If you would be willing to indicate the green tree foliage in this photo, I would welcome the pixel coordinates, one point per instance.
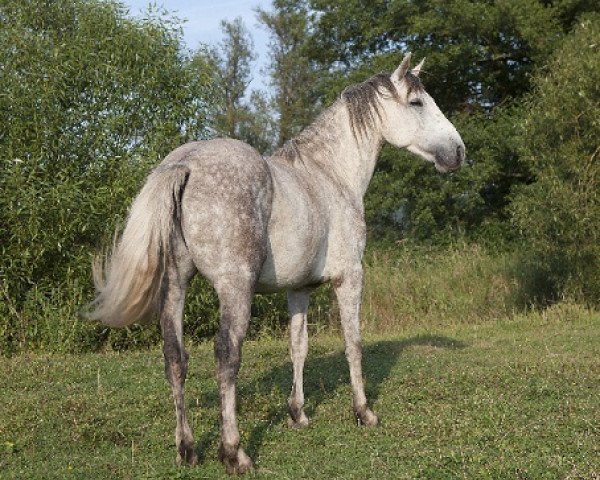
(246, 117)
(90, 100)
(480, 58)
(259, 126)
(478, 52)
(292, 74)
(559, 214)
(235, 57)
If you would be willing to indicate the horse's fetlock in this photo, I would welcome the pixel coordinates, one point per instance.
(228, 450)
(301, 421)
(186, 455)
(234, 458)
(364, 416)
(295, 409)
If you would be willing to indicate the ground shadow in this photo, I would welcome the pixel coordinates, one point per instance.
(325, 373)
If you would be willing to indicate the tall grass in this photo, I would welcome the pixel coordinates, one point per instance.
(404, 286)
(463, 284)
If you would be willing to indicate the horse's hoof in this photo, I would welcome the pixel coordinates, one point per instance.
(235, 460)
(366, 417)
(187, 456)
(301, 422)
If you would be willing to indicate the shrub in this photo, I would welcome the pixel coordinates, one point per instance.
(559, 214)
(90, 101)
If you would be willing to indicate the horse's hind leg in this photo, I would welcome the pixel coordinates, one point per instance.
(176, 358)
(235, 296)
(348, 292)
(297, 307)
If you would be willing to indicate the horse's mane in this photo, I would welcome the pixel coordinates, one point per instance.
(363, 105)
(312, 141)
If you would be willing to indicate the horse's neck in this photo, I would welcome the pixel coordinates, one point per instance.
(356, 154)
(348, 157)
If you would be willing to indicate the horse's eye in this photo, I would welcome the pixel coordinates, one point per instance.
(416, 102)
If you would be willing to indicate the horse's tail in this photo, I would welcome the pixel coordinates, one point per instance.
(129, 280)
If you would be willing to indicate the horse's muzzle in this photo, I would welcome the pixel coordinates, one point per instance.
(459, 159)
(449, 161)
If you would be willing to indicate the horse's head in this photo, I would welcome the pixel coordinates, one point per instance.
(412, 120)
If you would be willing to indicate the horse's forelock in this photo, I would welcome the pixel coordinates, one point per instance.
(413, 82)
(362, 100)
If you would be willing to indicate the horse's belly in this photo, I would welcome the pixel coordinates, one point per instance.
(297, 233)
(290, 269)
(296, 247)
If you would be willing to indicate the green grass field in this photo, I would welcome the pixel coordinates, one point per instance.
(510, 399)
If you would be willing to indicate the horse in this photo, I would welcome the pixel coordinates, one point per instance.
(251, 224)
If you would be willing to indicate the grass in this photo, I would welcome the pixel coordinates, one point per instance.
(463, 284)
(405, 286)
(504, 399)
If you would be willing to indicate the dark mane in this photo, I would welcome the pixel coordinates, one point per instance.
(362, 99)
(362, 102)
(314, 139)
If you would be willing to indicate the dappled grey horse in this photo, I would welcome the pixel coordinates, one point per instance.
(249, 224)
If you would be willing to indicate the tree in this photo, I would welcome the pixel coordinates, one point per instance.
(479, 53)
(90, 101)
(292, 75)
(246, 117)
(258, 126)
(559, 214)
(235, 57)
(480, 58)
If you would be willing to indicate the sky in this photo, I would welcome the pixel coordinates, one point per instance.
(203, 24)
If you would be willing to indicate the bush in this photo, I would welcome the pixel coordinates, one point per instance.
(90, 101)
(559, 214)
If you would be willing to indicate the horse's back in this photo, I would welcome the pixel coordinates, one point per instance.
(225, 206)
(220, 150)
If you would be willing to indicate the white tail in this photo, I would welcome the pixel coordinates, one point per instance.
(129, 280)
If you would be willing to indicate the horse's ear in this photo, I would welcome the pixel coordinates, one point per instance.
(415, 71)
(402, 70)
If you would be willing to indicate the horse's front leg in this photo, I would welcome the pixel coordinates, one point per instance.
(235, 299)
(297, 308)
(349, 291)
(176, 364)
